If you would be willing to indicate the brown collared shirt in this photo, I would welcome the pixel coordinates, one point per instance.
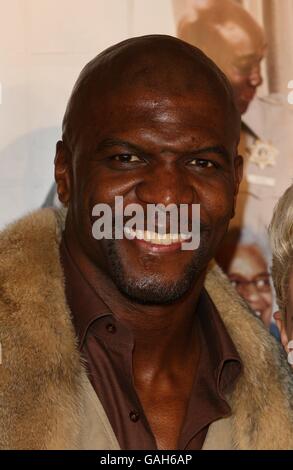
(106, 346)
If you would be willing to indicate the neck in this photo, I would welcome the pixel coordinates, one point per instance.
(163, 334)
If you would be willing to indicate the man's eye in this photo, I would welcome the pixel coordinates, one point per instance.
(125, 158)
(201, 163)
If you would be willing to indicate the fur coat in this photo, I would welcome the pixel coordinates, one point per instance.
(46, 400)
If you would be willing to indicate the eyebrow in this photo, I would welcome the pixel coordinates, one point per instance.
(218, 149)
(110, 142)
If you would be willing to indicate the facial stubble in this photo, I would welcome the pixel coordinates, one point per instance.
(151, 288)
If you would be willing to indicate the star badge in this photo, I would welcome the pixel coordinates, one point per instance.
(262, 154)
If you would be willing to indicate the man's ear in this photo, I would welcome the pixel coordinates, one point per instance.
(63, 172)
(238, 172)
(280, 322)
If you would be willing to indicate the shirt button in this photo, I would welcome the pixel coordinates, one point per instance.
(111, 328)
(134, 416)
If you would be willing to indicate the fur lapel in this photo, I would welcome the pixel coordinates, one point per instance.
(43, 396)
(41, 372)
(261, 403)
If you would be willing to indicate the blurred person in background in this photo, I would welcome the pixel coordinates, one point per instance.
(281, 238)
(232, 39)
(228, 34)
(244, 258)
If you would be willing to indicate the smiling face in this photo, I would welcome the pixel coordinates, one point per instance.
(248, 273)
(158, 136)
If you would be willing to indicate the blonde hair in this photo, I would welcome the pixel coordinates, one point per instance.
(281, 239)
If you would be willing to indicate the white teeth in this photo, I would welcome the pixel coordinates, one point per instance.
(154, 237)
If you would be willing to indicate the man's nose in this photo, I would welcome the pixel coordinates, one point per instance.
(166, 184)
(255, 78)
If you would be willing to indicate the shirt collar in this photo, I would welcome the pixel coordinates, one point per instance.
(219, 368)
(223, 355)
(84, 303)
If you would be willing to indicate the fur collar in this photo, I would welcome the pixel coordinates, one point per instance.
(41, 375)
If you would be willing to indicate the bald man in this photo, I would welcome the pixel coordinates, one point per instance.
(232, 39)
(120, 337)
(236, 43)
